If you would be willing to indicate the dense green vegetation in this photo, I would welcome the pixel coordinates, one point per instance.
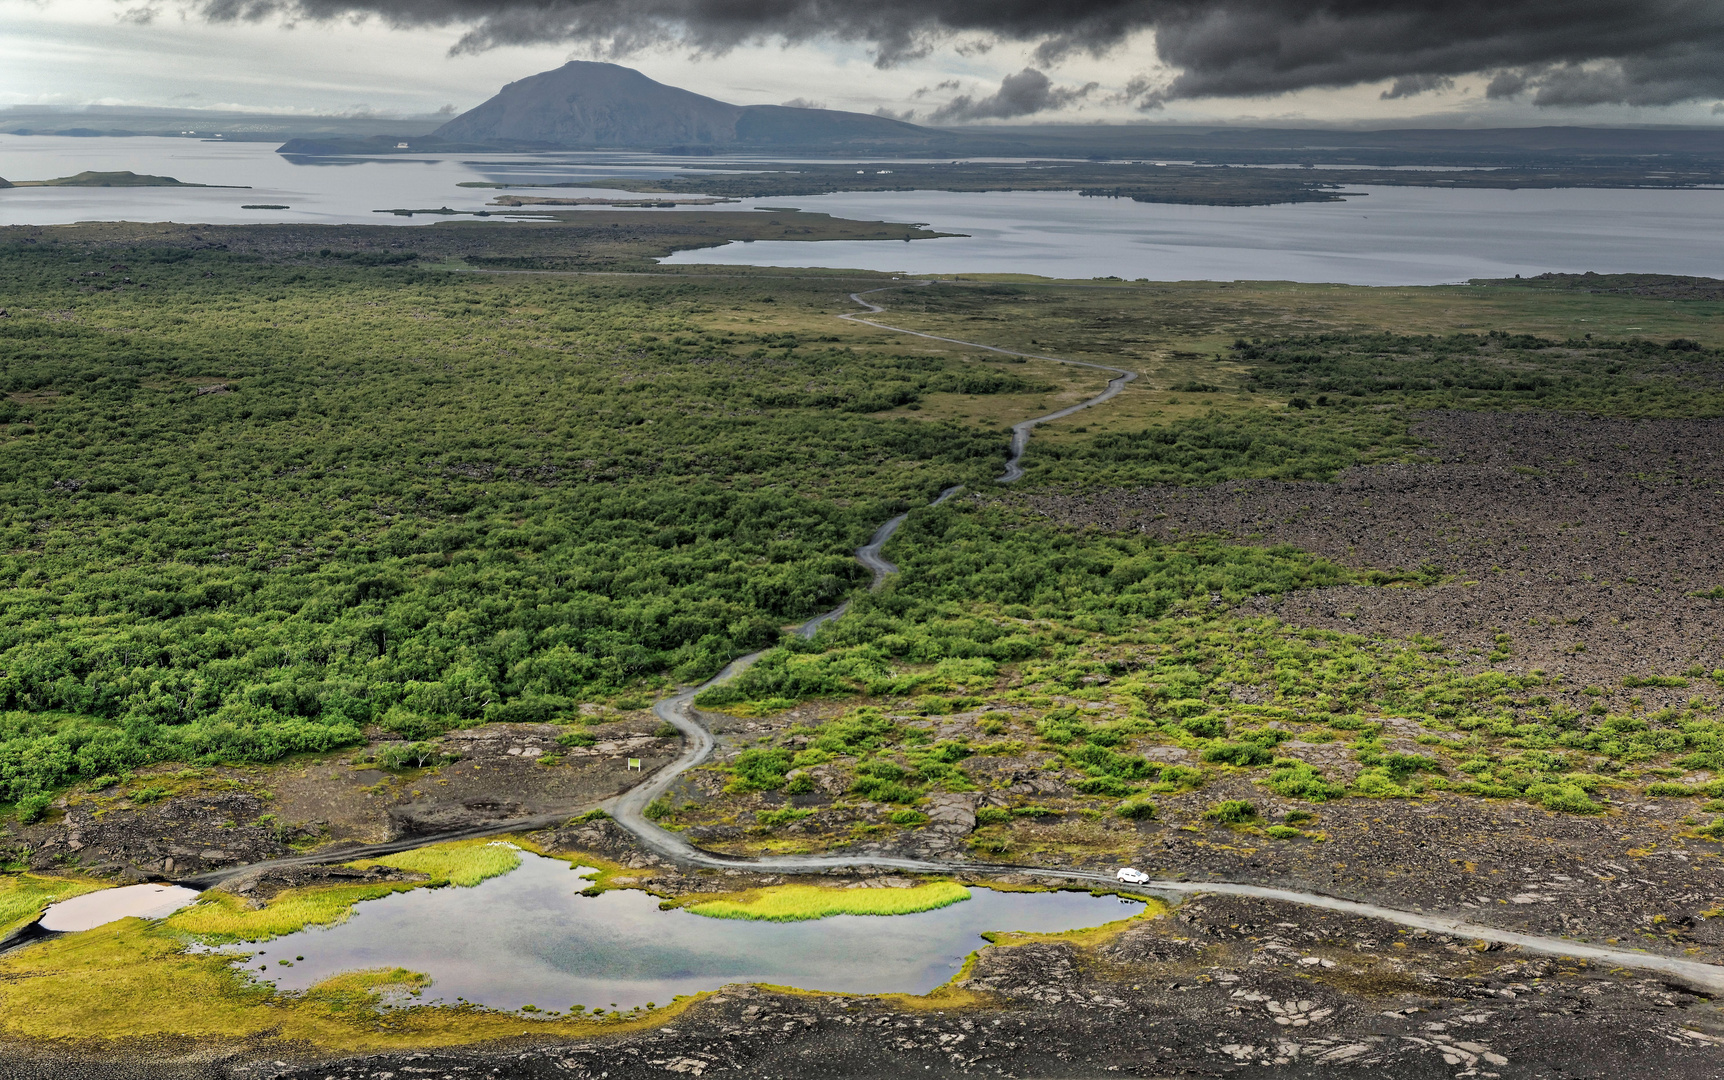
(1218, 447)
(1351, 396)
(952, 555)
(1124, 625)
(1230, 691)
(1494, 370)
(254, 506)
(250, 509)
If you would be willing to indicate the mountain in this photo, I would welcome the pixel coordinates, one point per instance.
(588, 104)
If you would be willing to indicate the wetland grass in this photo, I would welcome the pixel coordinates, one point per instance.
(89, 986)
(796, 903)
(23, 897)
(219, 918)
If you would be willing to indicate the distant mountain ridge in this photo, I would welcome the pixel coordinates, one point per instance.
(589, 104)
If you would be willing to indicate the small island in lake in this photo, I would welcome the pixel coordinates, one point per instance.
(107, 179)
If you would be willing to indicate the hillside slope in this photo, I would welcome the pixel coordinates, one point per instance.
(584, 103)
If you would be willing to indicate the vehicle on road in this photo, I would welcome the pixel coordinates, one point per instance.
(1130, 876)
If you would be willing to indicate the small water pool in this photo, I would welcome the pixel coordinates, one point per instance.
(530, 938)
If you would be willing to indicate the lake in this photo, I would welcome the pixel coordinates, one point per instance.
(529, 938)
(1386, 236)
(1383, 236)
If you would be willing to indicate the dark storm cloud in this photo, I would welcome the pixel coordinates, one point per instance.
(1561, 52)
(1024, 94)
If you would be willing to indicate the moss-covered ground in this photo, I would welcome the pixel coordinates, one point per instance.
(23, 897)
(797, 903)
(219, 917)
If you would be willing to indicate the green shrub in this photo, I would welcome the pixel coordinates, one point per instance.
(1295, 779)
(908, 817)
(1378, 784)
(1101, 761)
(1296, 817)
(577, 738)
(1567, 798)
(1401, 766)
(144, 796)
(881, 769)
(1206, 727)
(992, 815)
(1634, 681)
(1283, 832)
(1231, 812)
(1033, 812)
(1245, 754)
(800, 784)
(660, 808)
(1138, 809)
(32, 808)
(1104, 785)
(1178, 778)
(759, 769)
(1672, 791)
(886, 791)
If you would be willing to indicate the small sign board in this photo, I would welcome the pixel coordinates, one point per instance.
(634, 763)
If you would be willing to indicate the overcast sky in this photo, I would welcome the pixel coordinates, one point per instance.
(1261, 61)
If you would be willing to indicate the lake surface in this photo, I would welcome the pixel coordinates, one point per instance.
(529, 938)
(327, 191)
(1383, 236)
(1386, 236)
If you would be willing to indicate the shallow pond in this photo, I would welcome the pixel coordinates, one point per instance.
(530, 938)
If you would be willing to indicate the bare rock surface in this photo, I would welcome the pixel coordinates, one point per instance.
(1583, 538)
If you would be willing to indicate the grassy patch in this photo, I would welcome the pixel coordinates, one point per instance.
(1087, 937)
(796, 903)
(464, 863)
(89, 986)
(218, 918)
(25, 896)
(221, 918)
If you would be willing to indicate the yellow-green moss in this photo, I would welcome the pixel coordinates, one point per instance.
(23, 897)
(1087, 937)
(795, 903)
(220, 918)
(464, 863)
(89, 986)
(363, 990)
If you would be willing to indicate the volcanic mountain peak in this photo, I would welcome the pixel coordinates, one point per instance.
(586, 103)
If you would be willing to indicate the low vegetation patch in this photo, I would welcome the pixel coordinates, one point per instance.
(88, 986)
(219, 918)
(23, 897)
(464, 862)
(796, 903)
